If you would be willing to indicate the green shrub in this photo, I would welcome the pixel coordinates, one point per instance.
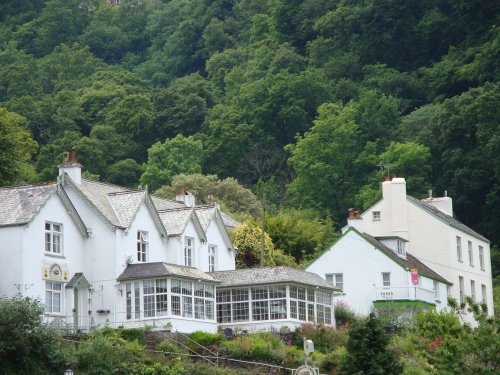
(343, 313)
(325, 338)
(102, 354)
(132, 334)
(205, 338)
(333, 360)
(168, 346)
(265, 347)
(27, 345)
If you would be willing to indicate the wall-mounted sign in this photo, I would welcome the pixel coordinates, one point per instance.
(414, 276)
(54, 272)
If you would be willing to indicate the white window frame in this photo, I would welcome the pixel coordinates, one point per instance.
(133, 300)
(459, 249)
(336, 279)
(189, 251)
(386, 283)
(461, 287)
(435, 286)
(473, 290)
(481, 258)
(400, 245)
(50, 291)
(376, 216)
(471, 253)
(212, 257)
(142, 246)
(483, 294)
(53, 238)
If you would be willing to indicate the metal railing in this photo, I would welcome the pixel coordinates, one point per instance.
(405, 293)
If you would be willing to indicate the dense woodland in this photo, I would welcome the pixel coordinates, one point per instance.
(305, 102)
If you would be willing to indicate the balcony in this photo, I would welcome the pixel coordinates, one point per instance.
(405, 293)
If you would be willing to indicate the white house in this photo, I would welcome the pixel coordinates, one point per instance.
(379, 272)
(100, 254)
(436, 238)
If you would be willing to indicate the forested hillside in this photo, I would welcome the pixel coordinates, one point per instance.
(301, 100)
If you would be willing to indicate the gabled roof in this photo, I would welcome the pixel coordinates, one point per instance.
(269, 275)
(126, 204)
(228, 221)
(78, 279)
(175, 221)
(20, 204)
(165, 204)
(408, 263)
(447, 219)
(162, 269)
(116, 204)
(207, 214)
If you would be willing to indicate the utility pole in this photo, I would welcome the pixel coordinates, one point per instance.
(262, 239)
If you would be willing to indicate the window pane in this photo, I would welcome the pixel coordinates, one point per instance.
(199, 308)
(176, 305)
(241, 312)
(137, 289)
(209, 309)
(223, 312)
(187, 307)
(260, 310)
(175, 286)
(293, 309)
(277, 291)
(278, 309)
(187, 288)
(149, 306)
(240, 295)
(199, 290)
(302, 311)
(310, 312)
(209, 291)
(259, 293)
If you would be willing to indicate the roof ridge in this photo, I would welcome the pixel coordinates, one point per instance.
(131, 191)
(32, 185)
(174, 209)
(106, 184)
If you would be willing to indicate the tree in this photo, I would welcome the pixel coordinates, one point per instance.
(323, 160)
(27, 345)
(174, 156)
(16, 149)
(233, 197)
(298, 235)
(125, 172)
(367, 351)
(247, 238)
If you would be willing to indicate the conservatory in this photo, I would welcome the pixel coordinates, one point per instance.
(272, 299)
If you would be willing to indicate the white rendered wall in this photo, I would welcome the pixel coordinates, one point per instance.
(74, 251)
(224, 258)
(11, 268)
(362, 266)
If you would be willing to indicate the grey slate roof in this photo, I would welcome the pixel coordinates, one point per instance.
(126, 205)
(20, 204)
(175, 220)
(161, 269)
(269, 275)
(97, 193)
(165, 204)
(205, 214)
(408, 263)
(229, 222)
(450, 220)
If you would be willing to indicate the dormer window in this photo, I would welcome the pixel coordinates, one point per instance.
(188, 251)
(401, 248)
(375, 215)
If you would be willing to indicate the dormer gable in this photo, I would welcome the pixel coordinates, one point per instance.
(396, 244)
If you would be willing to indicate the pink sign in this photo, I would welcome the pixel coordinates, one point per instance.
(414, 276)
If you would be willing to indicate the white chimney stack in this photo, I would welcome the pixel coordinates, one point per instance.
(71, 167)
(354, 220)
